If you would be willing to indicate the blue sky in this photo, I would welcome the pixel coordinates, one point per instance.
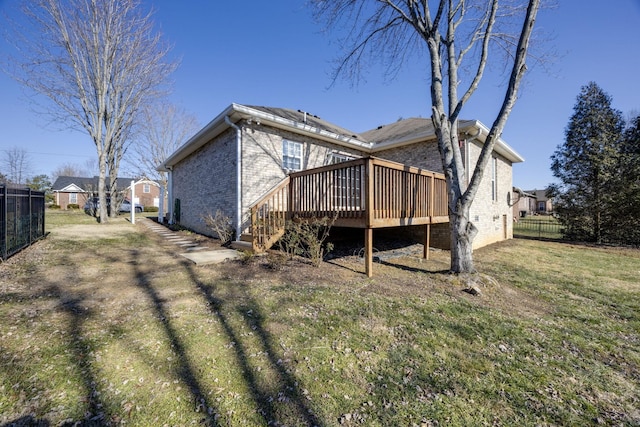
(272, 53)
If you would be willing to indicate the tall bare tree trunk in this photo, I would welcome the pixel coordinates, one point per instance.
(462, 234)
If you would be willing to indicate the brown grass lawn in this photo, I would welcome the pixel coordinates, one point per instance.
(108, 325)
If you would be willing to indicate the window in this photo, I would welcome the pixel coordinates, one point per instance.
(542, 206)
(494, 179)
(291, 155)
(73, 198)
(339, 158)
(347, 191)
(146, 188)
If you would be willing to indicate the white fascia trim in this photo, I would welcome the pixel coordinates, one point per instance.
(501, 147)
(301, 128)
(72, 188)
(146, 181)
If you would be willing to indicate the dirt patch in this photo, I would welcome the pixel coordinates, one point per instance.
(116, 228)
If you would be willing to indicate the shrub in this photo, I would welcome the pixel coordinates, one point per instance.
(54, 206)
(73, 206)
(151, 209)
(221, 225)
(307, 238)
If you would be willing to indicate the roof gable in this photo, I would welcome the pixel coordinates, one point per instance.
(80, 184)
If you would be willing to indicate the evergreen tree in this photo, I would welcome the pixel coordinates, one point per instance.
(625, 225)
(586, 166)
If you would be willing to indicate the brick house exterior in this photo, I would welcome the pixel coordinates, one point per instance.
(77, 190)
(268, 143)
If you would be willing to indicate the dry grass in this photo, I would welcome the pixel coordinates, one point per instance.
(107, 325)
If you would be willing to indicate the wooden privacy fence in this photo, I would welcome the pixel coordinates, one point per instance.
(364, 193)
(21, 219)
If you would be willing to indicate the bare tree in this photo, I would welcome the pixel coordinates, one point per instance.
(69, 169)
(164, 128)
(97, 62)
(16, 164)
(458, 36)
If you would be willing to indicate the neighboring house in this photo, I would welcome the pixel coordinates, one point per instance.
(77, 190)
(543, 203)
(247, 153)
(523, 203)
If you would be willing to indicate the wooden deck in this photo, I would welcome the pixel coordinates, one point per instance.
(365, 193)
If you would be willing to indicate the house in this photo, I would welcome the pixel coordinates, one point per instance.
(523, 203)
(544, 205)
(77, 190)
(247, 155)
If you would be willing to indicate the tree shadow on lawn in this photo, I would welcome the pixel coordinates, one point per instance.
(288, 390)
(283, 405)
(78, 312)
(185, 371)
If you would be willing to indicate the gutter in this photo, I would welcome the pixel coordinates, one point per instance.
(238, 176)
(500, 147)
(308, 130)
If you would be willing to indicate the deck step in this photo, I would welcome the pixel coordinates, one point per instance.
(246, 237)
(242, 246)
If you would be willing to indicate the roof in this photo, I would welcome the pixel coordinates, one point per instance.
(403, 132)
(307, 118)
(77, 183)
(399, 129)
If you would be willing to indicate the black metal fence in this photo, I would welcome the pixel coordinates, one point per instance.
(547, 229)
(21, 219)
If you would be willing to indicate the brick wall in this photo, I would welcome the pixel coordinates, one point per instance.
(493, 218)
(206, 181)
(62, 199)
(425, 156)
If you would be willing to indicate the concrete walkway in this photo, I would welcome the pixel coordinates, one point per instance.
(195, 253)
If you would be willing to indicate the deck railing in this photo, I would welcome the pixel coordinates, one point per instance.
(362, 193)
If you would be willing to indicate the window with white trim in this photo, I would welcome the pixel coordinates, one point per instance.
(73, 198)
(291, 155)
(146, 188)
(494, 179)
(339, 158)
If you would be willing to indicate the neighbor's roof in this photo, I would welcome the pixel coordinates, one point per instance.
(400, 133)
(77, 183)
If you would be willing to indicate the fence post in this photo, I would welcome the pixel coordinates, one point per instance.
(4, 222)
(30, 217)
(133, 204)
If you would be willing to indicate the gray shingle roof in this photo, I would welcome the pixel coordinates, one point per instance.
(399, 130)
(88, 184)
(311, 120)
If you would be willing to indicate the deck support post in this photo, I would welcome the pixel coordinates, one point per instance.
(368, 251)
(427, 241)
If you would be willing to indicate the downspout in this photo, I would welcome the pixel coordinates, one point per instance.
(467, 155)
(170, 194)
(238, 176)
